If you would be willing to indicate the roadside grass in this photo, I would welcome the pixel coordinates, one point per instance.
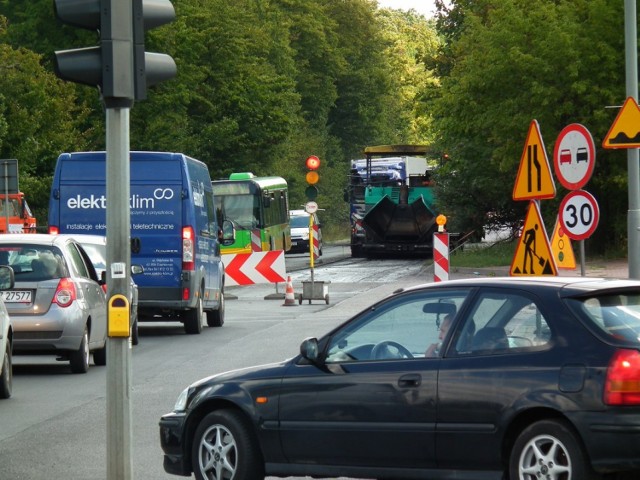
(501, 254)
(497, 254)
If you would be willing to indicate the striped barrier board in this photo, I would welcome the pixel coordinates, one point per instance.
(440, 256)
(252, 268)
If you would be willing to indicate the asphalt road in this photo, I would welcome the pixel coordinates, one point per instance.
(54, 426)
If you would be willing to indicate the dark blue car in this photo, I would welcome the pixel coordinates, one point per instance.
(512, 378)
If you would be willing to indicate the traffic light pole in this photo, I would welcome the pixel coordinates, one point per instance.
(119, 431)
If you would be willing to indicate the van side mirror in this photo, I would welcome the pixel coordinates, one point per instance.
(228, 233)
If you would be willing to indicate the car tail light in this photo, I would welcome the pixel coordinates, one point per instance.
(188, 249)
(622, 386)
(65, 293)
(186, 293)
(54, 230)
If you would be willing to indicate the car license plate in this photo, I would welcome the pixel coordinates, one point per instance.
(16, 296)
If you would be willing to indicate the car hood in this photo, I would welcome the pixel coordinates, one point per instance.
(270, 370)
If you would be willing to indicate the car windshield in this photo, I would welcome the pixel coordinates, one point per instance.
(300, 221)
(616, 315)
(33, 262)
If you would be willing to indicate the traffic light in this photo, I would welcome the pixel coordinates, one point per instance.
(107, 65)
(118, 66)
(150, 68)
(312, 163)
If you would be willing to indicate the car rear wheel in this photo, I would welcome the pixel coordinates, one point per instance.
(549, 449)
(215, 318)
(6, 375)
(79, 360)
(134, 333)
(224, 447)
(194, 318)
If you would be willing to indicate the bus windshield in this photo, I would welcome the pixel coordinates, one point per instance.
(242, 210)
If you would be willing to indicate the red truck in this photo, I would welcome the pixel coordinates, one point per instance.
(15, 212)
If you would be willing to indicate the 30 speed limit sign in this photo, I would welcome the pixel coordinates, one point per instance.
(579, 214)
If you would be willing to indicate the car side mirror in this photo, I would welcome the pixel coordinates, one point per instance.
(228, 233)
(137, 269)
(309, 349)
(7, 278)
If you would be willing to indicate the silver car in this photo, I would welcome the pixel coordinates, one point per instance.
(96, 248)
(6, 336)
(57, 305)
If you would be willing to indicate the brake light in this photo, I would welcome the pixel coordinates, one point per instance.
(65, 293)
(186, 293)
(188, 249)
(622, 386)
(54, 230)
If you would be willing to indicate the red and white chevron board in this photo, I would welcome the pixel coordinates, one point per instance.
(440, 257)
(252, 268)
(316, 242)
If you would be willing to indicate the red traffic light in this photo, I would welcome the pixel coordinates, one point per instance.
(312, 162)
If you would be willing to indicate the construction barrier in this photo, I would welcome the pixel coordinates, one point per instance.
(440, 256)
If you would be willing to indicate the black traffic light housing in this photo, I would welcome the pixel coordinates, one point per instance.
(118, 66)
(312, 163)
(150, 68)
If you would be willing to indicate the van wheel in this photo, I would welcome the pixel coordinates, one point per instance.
(6, 374)
(215, 318)
(193, 318)
(79, 359)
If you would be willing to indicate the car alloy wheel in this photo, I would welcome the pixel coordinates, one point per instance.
(549, 449)
(225, 448)
(79, 360)
(6, 374)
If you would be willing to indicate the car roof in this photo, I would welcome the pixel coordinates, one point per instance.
(569, 285)
(85, 238)
(31, 238)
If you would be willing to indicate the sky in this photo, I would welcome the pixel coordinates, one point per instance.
(425, 7)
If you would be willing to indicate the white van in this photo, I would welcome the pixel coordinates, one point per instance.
(299, 223)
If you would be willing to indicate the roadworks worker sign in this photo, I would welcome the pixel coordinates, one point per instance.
(533, 252)
(562, 249)
(625, 131)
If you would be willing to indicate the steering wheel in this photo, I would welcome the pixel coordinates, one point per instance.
(382, 351)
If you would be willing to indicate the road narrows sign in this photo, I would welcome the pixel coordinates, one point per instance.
(534, 180)
(574, 156)
(579, 214)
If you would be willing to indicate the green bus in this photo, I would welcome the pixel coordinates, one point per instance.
(259, 210)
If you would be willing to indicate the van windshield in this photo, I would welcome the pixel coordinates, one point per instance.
(300, 221)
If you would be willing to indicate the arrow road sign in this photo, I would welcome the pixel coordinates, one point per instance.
(252, 268)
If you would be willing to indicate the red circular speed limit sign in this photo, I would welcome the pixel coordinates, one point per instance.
(579, 214)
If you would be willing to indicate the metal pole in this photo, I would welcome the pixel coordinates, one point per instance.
(6, 196)
(633, 159)
(119, 435)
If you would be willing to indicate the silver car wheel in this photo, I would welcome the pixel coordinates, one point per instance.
(546, 457)
(218, 454)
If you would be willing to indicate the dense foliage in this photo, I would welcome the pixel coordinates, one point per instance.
(262, 84)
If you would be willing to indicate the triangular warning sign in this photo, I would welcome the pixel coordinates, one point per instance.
(533, 253)
(625, 131)
(562, 249)
(534, 180)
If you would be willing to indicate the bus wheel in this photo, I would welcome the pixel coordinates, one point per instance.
(215, 318)
(193, 318)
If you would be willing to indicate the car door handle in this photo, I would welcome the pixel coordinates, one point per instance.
(410, 380)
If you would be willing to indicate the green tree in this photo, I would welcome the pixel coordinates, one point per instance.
(514, 61)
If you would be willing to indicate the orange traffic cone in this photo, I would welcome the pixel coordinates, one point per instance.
(289, 294)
